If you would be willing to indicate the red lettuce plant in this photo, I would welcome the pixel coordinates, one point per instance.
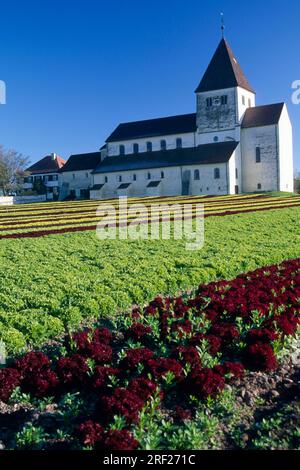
(90, 433)
(72, 370)
(123, 402)
(9, 381)
(260, 357)
(120, 440)
(205, 383)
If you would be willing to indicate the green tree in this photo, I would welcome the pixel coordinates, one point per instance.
(39, 187)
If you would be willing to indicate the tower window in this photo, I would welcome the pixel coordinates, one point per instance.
(258, 155)
(149, 146)
(105, 179)
(236, 173)
(163, 145)
(149, 176)
(249, 103)
(224, 100)
(162, 175)
(134, 177)
(243, 100)
(196, 175)
(259, 186)
(209, 102)
(217, 173)
(122, 150)
(135, 148)
(179, 143)
(120, 179)
(216, 139)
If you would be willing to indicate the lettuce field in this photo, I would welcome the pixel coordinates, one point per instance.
(94, 362)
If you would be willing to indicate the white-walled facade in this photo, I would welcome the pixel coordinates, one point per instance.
(76, 183)
(171, 142)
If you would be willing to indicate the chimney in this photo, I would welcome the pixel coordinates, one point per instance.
(53, 156)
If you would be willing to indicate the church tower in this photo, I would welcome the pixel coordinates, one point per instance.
(223, 96)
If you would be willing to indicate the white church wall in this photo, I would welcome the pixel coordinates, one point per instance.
(207, 184)
(285, 145)
(170, 181)
(264, 173)
(245, 99)
(215, 137)
(77, 180)
(188, 140)
(234, 172)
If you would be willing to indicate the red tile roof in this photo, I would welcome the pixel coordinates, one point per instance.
(47, 164)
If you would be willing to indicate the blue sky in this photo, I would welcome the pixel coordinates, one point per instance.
(74, 70)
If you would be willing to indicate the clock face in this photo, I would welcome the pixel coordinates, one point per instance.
(217, 101)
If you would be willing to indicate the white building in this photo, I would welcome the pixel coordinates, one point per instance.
(228, 146)
(44, 174)
(76, 177)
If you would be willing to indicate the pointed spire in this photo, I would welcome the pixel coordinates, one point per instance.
(223, 71)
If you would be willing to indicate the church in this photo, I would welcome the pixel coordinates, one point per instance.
(228, 146)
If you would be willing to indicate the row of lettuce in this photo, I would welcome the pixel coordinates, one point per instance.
(49, 220)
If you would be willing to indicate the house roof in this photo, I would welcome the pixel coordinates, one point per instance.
(223, 71)
(124, 186)
(154, 127)
(262, 115)
(97, 187)
(82, 161)
(204, 154)
(153, 184)
(48, 164)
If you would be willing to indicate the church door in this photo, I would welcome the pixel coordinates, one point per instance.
(186, 176)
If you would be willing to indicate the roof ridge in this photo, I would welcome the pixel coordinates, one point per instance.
(157, 119)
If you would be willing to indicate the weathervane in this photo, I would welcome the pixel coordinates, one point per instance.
(222, 25)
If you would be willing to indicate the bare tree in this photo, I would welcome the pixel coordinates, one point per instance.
(12, 170)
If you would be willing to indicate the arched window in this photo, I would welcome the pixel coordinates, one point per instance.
(149, 176)
(259, 186)
(162, 175)
(149, 146)
(196, 175)
(134, 177)
(179, 143)
(163, 145)
(217, 173)
(105, 179)
(120, 179)
(135, 148)
(122, 149)
(258, 155)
